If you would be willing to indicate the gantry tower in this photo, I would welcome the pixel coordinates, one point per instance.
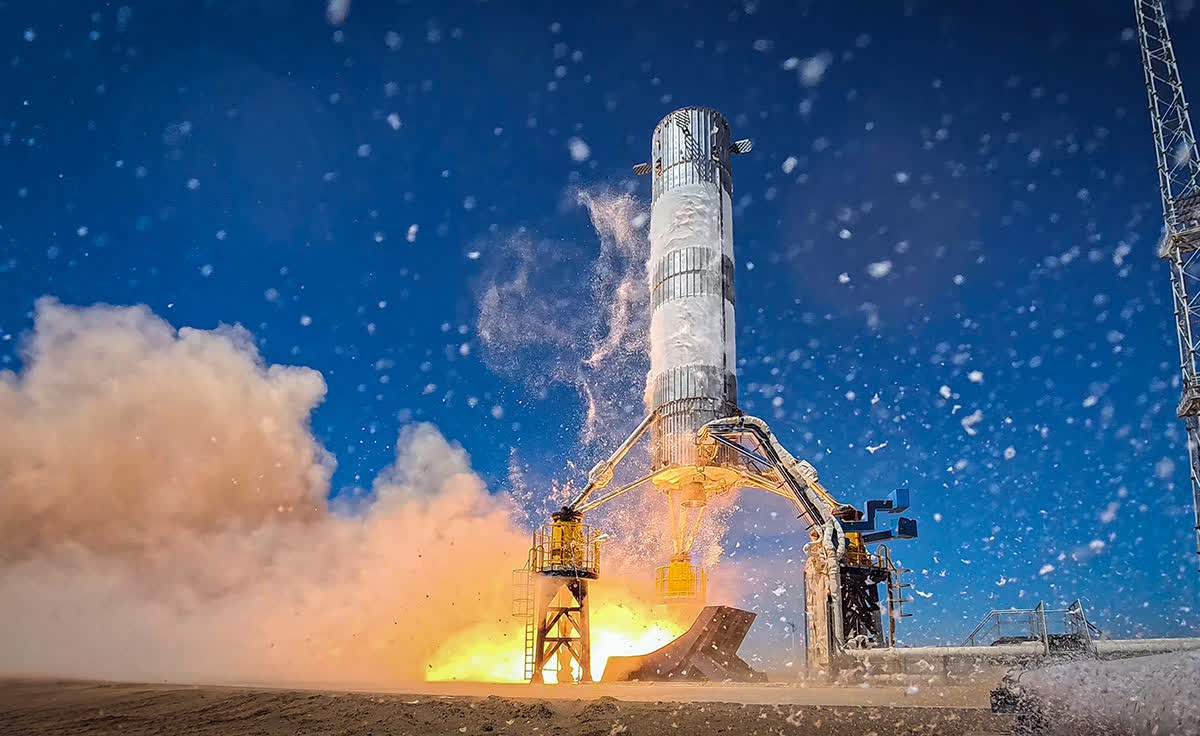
(1179, 185)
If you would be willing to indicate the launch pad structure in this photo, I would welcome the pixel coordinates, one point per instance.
(701, 445)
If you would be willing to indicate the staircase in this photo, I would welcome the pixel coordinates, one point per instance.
(895, 591)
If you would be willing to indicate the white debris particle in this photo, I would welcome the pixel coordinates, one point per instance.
(937, 517)
(474, 255)
(497, 411)
(580, 151)
(30, 34)
(876, 448)
(975, 376)
(206, 270)
(394, 121)
(851, 396)
(337, 10)
(1097, 545)
(791, 63)
(1010, 453)
(843, 278)
(812, 69)
(789, 164)
(412, 233)
(305, 320)
(845, 234)
(1046, 569)
(379, 237)
(464, 349)
(901, 177)
(364, 150)
(879, 270)
(82, 231)
(779, 591)
(1090, 401)
(912, 690)
(393, 40)
(221, 235)
(271, 295)
(193, 184)
(1109, 514)
(1164, 468)
(945, 392)
(969, 422)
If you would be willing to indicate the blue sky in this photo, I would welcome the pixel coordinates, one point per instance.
(345, 191)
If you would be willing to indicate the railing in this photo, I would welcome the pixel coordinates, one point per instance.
(566, 549)
(680, 580)
(1059, 629)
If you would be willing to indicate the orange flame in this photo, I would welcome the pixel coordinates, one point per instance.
(625, 620)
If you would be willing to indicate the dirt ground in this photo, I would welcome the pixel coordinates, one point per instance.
(52, 707)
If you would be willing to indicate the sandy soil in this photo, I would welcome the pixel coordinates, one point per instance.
(48, 707)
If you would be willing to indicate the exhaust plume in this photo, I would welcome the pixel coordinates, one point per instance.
(163, 515)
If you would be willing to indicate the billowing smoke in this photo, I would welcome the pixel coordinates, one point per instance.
(163, 515)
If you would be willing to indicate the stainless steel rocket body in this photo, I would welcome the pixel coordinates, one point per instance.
(693, 356)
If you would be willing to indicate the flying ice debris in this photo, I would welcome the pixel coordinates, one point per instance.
(337, 10)
(876, 448)
(969, 422)
(394, 121)
(789, 164)
(812, 69)
(1164, 468)
(412, 233)
(580, 151)
(975, 376)
(1046, 569)
(879, 270)
(945, 392)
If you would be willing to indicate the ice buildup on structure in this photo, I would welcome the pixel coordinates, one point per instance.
(692, 377)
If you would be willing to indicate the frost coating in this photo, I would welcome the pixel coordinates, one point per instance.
(696, 329)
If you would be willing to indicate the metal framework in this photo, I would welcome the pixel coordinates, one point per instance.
(1072, 632)
(551, 595)
(1178, 174)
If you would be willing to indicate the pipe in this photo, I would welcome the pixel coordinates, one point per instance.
(833, 556)
(1000, 651)
(601, 473)
(795, 473)
(1144, 646)
(613, 494)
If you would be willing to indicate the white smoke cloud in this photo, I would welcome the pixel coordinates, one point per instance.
(163, 516)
